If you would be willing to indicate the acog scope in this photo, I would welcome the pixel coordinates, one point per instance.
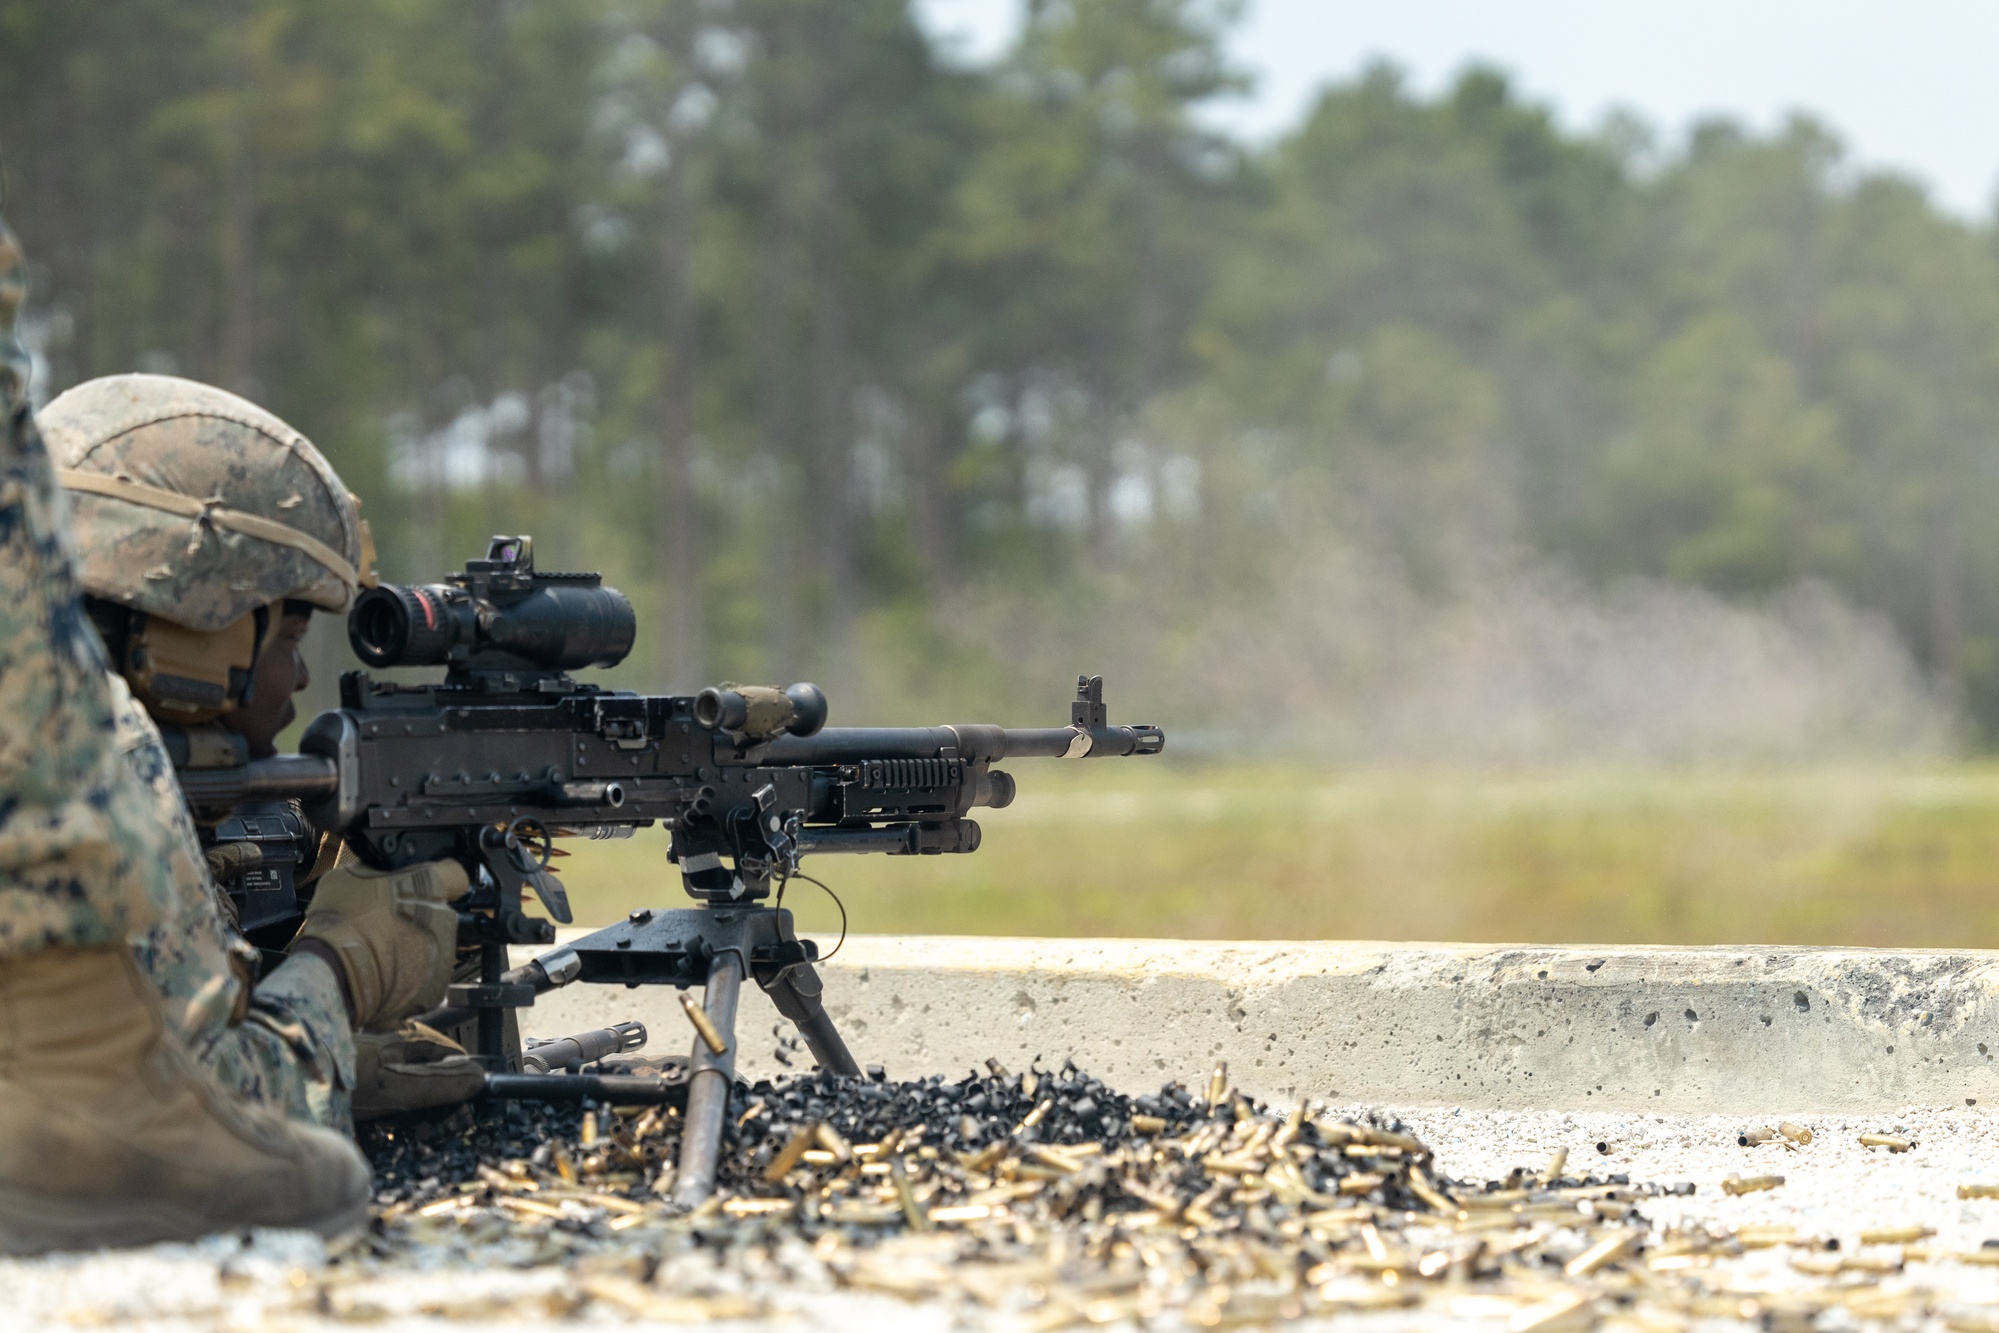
(499, 614)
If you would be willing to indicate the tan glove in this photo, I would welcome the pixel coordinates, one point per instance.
(410, 1069)
(393, 934)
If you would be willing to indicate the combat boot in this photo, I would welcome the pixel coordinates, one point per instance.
(111, 1135)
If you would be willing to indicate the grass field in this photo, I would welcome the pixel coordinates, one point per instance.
(1865, 856)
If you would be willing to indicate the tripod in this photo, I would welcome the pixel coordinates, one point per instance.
(715, 946)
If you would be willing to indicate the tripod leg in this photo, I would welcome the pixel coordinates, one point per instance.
(796, 994)
(708, 1080)
(493, 1022)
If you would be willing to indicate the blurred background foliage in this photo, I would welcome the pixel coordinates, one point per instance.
(939, 383)
(1429, 438)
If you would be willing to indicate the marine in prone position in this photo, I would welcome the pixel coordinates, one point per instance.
(111, 1130)
(209, 533)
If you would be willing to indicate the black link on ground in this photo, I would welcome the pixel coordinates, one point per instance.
(421, 1159)
(1043, 1191)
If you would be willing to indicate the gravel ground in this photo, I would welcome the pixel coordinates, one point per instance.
(1834, 1190)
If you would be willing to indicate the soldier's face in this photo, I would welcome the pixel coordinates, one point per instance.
(281, 673)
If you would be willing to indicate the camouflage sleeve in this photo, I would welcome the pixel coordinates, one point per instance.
(295, 1048)
(201, 969)
(285, 1043)
(81, 864)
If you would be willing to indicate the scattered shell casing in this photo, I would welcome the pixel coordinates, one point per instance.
(1606, 1251)
(1750, 1184)
(791, 1154)
(905, 1196)
(704, 1026)
(1896, 1235)
(1099, 1209)
(1293, 1123)
(1892, 1142)
(1751, 1138)
(1421, 1186)
(829, 1139)
(1763, 1238)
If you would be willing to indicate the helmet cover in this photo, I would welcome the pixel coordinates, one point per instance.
(197, 506)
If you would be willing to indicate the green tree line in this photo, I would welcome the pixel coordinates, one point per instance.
(811, 336)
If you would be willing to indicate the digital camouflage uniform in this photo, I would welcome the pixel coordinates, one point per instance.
(292, 1048)
(286, 1043)
(83, 862)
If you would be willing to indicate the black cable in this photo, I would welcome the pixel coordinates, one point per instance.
(836, 902)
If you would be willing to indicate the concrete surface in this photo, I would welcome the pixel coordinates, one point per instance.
(1707, 1030)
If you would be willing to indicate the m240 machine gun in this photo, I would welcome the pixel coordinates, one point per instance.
(509, 753)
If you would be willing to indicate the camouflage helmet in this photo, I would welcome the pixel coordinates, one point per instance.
(199, 507)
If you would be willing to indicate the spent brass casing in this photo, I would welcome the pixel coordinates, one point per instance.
(906, 1196)
(1896, 1235)
(1750, 1184)
(829, 1139)
(1606, 1251)
(704, 1026)
(791, 1154)
(1763, 1238)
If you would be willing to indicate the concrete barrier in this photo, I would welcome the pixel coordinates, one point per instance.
(1481, 1026)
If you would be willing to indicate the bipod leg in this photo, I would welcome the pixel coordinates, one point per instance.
(796, 993)
(709, 1076)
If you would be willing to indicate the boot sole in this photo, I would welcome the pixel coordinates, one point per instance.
(37, 1224)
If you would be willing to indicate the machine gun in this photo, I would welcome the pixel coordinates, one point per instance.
(509, 753)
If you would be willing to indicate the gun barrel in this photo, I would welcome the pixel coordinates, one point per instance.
(855, 745)
(282, 777)
(584, 1048)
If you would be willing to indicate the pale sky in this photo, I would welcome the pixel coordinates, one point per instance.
(1909, 85)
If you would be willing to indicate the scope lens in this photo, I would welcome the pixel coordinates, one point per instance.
(392, 625)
